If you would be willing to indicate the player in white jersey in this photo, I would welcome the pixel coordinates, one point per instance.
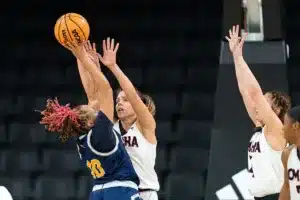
(267, 113)
(291, 156)
(4, 193)
(137, 125)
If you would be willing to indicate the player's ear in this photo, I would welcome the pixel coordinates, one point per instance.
(90, 123)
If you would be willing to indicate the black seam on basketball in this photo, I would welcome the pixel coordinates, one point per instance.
(67, 27)
(78, 27)
(78, 16)
(58, 31)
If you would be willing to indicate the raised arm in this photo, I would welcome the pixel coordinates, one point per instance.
(285, 190)
(237, 53)
(249, 87)
(86, 79)
(144, 116)
(105, 101)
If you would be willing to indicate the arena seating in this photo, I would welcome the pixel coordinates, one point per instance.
(169, 49)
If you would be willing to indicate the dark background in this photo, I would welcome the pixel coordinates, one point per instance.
(166, 47)
(169, 49)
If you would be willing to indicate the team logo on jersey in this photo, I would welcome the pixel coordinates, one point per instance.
(130, 141)
(294, 175)
(254, 147)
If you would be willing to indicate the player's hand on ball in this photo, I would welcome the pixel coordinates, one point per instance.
(92, 52)
(235, 42)
(109, 53)
(78, 50)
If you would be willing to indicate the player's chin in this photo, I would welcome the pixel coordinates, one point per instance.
(121, 115)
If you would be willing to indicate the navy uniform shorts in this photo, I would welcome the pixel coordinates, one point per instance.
(115, 193)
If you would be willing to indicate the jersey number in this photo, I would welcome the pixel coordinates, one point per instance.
(97, 170)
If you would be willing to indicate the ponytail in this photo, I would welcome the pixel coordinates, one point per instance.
(149, 103)
(60, 119)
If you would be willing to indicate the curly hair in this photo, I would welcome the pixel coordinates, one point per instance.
(62, 119)
(148, 101)
(281, 101)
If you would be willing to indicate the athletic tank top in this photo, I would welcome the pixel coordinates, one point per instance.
(293, 167)
(264, 165)
(110, 166)
(142, 155)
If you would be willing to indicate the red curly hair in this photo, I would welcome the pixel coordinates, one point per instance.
(61, 119)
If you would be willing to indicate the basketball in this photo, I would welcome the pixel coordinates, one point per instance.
(71, 26)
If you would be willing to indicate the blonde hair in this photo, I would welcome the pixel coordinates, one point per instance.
(149, 103)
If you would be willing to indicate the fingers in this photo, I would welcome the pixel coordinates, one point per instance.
(70, 46)
(116, 48)
(100, 57)
(243, 40)
(112, 44)
(88, 45)
(237, 28)
(108, 43)
(234, 32)
(94, 47)
(104, 45)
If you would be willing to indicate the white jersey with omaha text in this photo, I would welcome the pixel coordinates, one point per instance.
(142, 154)
(264, 165)
(293, 167)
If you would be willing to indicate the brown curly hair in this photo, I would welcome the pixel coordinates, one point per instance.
(281, 101)
(64, 120)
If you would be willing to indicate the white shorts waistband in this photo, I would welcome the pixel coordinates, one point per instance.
(129, 184)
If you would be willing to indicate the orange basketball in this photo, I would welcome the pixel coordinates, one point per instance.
(70, 27)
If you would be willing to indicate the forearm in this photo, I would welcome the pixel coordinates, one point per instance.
(245, 77)
(96, 75)
(284, 194)
(87, 81)
(125, 83)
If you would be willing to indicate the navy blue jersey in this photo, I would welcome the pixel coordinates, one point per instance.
(103, 153)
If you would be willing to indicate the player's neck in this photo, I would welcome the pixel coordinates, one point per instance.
(127, 123)
(297, 143)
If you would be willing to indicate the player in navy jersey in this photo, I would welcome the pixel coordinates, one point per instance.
(135, 117)
(100, 149)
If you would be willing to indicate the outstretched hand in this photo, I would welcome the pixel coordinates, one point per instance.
(109, 53)
(235, 42)
(92, 52)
